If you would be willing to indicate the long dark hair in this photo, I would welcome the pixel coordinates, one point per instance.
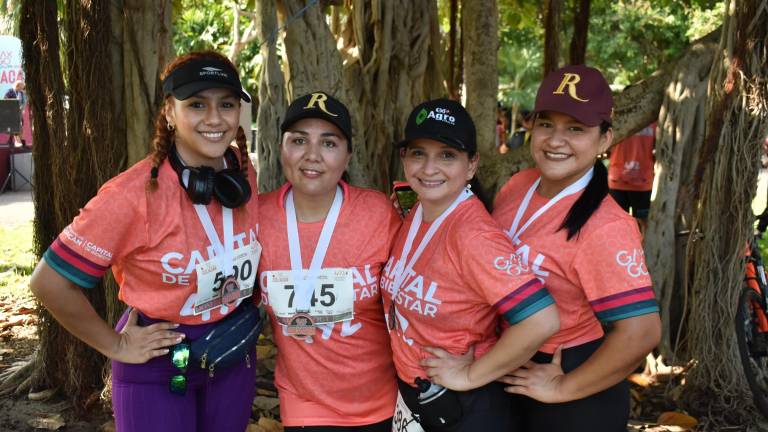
(590, 199)
(478, 189)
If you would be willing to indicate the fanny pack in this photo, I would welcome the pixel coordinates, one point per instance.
(435, 413)
(229, 341)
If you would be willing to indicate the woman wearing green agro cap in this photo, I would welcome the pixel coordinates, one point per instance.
(178, 230)
(451, 275)
(589, 254)
(324, 247)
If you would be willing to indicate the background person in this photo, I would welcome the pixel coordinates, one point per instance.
(451, 275)
(630, 174)
(334, 366)
(146, 224)
(588, 252)
(18, 91)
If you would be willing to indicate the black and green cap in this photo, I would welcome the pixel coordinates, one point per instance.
(442, 120)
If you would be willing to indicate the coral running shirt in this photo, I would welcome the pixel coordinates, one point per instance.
(631, 166)
(597, 276)
(345, 375)
(466, 277)
(152, 241)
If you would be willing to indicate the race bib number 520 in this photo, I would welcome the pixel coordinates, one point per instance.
(211, 280)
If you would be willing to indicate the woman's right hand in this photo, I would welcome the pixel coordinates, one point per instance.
(140, 344)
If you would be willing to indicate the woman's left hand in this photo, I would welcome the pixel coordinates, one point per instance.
(540, 381)
(448, 370)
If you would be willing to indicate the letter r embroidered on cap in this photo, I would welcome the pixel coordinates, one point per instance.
(570, 80)
(320, 99)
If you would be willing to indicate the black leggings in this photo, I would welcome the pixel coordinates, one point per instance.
(384, 426)
(606, 411)
(485, 408)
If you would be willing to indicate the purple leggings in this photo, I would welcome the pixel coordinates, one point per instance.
(142, 401)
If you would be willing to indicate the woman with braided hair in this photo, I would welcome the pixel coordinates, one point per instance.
(178, 230)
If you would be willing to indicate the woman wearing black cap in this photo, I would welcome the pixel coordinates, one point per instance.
(177, 229)
(324, 247)
(589, 254)
(451, 274)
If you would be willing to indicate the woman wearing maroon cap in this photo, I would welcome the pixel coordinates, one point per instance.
(589, 254)
(177, 229)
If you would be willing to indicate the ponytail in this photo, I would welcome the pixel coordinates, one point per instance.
(481, 193)
(590, 199)
(588, 202)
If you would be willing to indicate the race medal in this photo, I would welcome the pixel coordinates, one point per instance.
(230, 291)
(391, 318)
(301, 325)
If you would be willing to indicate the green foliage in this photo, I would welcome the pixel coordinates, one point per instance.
(628, 39)
(207, 25)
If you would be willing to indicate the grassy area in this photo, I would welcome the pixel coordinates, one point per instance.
(16, 261)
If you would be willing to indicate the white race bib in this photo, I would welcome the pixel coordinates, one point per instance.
(333, 296)
(403, 420)
(210, 280)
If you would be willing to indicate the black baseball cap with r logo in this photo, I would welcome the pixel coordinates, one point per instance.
(319, 105)
(442, 120)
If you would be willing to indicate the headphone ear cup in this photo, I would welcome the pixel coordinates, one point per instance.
(231, 188)
(201, 184)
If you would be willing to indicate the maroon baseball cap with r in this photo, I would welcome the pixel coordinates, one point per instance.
(579, 91)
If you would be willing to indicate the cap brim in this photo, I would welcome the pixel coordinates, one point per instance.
(590, 119)
(287, 123)
(188, 90)
(440, 138)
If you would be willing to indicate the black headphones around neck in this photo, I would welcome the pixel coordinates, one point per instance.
(229, 186)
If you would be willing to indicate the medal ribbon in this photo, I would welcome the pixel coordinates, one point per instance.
(224, 253)
(304, 282)
(400, 271)
(573, 188)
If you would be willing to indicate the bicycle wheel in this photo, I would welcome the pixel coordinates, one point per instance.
(752, 348)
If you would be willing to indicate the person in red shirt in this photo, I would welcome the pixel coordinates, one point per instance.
(451, 276)
(630, 173)
(166, 227)
(325, 245)
(588, 251)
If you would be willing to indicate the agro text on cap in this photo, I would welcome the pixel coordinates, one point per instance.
(202, 74)
(579, 91)
(319, 105)
(442, 120)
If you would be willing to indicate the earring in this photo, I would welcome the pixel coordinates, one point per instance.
(171, 127)
(469, 185)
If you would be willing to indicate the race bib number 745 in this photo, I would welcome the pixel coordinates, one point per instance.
(332, 299)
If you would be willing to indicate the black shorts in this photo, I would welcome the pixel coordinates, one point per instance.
(638, 201)
(606, 411)
(486, 408)
(383, 426)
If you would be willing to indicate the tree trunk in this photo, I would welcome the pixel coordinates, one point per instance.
(578, 51)
(272, 99)
(142, 35)
(391, 63)
(453, 88)
(680, 132)
(552, 35)
(737, 117)
(481, 72)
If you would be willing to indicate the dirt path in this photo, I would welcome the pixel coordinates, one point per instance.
(16, 208)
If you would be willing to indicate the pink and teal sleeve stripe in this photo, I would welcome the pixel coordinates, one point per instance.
(523, 302)
(627, 304)
(73, 266)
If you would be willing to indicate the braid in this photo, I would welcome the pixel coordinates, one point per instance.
(161, 144)
(242, 145)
